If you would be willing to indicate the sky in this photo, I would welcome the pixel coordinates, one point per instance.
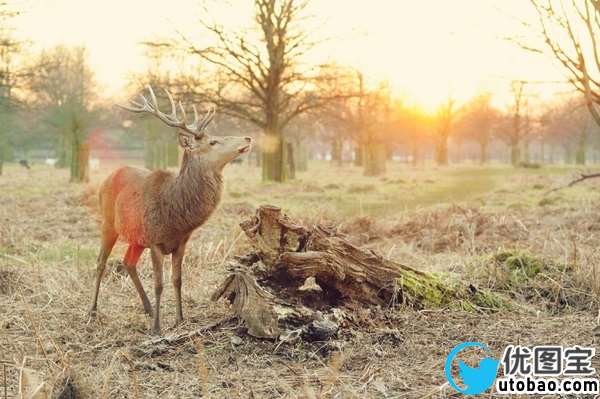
(427, 49)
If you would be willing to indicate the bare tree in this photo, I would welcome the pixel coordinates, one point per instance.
(337, 119)
(354, 113)
(583, 125)
(515, 130)
(263, 81)
(569, 124)
(571, 30)
(366, 114)
(445, 117)
(160, 144)
(63, 85)
(377, 125)
(334, 128)
(478, 121)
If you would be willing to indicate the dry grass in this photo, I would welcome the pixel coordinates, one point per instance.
(48, 245)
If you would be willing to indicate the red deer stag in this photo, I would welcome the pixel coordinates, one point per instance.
(160, 210)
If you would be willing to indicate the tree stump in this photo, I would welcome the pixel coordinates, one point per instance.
(305, 271)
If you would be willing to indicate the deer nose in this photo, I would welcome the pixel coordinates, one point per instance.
(248, 139)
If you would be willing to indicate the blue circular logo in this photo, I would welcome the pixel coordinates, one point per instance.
(475, 379)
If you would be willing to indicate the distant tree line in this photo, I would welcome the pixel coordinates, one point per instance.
(260, 79)
(260, 82)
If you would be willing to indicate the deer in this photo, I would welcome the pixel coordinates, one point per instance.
(159, 210)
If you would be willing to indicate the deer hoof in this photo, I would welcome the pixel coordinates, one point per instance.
(92, 314)
(148, 311)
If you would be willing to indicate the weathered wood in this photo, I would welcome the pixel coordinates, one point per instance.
(304, 271)
(342, 269)
(265, 315)
(251, 303)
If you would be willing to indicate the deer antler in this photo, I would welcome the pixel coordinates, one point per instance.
(150, 106)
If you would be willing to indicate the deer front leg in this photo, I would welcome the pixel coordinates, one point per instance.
(157, 272)
(132, 271)
(109, 237)
(132, 256)
(177, 260)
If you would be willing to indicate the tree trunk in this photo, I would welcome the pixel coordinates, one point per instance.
(160, 152)
(172, 154)
(84, 163)
(273, 157)
(3, 151)
(458, 157)
(359, 153)
(569, 154)
(257, 151)
(336, 151)
(74, 164)
(300, 156)
(441, 153)
(415, 152)
(483, 152)
(289, 156)
(80, 160)
(580, 154)
(580, 158)
(526, 155)
(149, 150)
(62, 151)
(515, 154)
(376, 155)
(164, 154)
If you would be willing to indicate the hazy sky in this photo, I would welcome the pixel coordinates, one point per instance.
(427, 49)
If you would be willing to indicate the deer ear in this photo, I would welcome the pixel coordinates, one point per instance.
(185, 140)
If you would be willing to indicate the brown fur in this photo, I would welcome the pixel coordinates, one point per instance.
(160, 210)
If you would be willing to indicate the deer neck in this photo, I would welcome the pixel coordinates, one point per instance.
(195, 193)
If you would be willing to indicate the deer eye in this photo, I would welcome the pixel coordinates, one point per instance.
(213, 142)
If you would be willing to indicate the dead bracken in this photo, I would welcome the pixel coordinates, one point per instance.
(47, 264)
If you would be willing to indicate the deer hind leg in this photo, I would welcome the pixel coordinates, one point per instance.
(109, 237)
(157, 272)
(177, 259)
(132, 256)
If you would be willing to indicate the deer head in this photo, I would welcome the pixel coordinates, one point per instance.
(192, 137)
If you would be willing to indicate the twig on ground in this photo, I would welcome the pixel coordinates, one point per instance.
(581, 178)
(157, 346)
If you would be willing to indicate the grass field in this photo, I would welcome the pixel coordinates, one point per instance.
(455, 220)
